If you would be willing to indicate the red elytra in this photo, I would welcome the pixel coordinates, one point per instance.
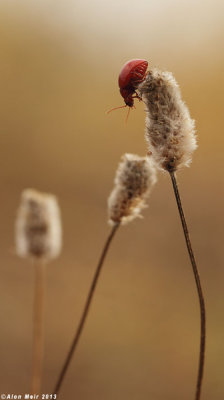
(132, 73)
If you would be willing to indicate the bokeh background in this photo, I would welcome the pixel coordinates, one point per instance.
(60, 62)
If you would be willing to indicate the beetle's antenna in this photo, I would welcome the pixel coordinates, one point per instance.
(129, 108)
(115, 108)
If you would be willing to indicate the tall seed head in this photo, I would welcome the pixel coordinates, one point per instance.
(38, 226)
(169, 129)
(134, 179)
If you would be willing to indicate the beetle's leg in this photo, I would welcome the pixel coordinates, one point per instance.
(137, 96)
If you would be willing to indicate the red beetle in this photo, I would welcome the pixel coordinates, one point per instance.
(132, 73)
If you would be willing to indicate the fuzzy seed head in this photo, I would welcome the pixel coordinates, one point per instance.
(134, 179)
(170, 131)
(38, 226)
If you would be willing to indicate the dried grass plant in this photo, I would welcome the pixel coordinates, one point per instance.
(170, 135)
(133, 183)
(38, 238)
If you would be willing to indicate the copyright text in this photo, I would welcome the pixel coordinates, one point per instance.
(27, 396)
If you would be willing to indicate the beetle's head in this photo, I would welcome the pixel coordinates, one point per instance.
(127, 96)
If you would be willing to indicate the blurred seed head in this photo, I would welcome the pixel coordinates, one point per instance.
(134, 179)
(170, 131)
(38, 226)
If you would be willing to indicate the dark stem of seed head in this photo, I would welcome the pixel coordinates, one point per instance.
(85, 310)
(199, 288)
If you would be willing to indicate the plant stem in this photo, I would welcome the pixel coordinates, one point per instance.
(199, 288)
(38, 326)
(85, 310)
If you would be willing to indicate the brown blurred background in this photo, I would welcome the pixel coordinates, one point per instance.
(59, 67)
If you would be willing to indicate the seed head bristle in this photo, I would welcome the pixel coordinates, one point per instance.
(38, 226)
(170, 131)
(134, 179)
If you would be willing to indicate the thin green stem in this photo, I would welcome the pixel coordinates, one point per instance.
(85, 310)
(199, 288)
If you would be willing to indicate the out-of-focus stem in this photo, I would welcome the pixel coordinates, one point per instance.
(38, 326)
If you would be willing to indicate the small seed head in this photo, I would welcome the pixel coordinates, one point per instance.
(38, 226)
(134, 179)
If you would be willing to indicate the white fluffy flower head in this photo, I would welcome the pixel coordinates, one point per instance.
(170, 131)
(38, 226)
(134, 179)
